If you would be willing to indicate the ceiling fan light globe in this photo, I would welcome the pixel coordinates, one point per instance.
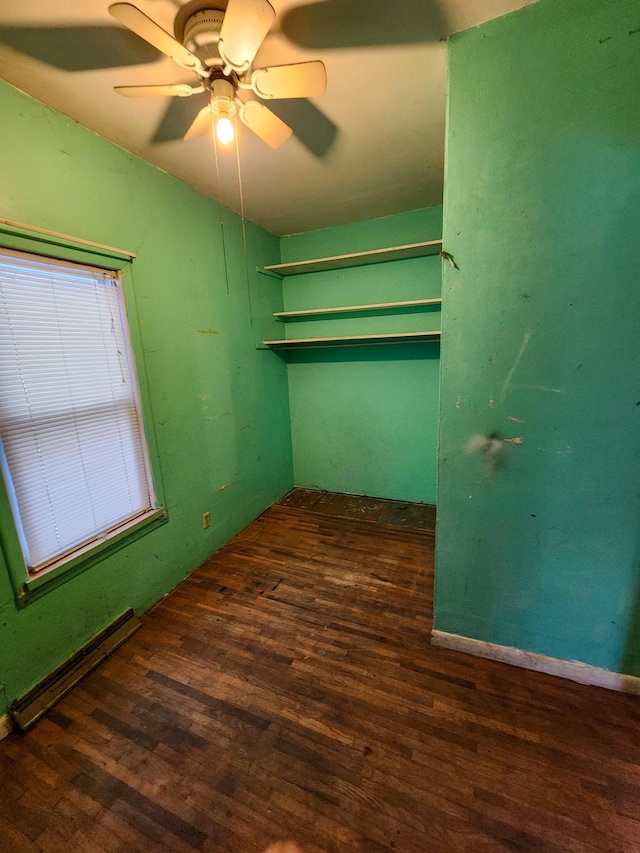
(224, 130)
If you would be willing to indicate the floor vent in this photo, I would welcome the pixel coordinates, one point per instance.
(35, 702)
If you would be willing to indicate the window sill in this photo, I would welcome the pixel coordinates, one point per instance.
(49, 579)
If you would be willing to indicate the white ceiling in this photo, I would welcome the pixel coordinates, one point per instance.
(371, 146)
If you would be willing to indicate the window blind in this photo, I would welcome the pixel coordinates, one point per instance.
(73, 451)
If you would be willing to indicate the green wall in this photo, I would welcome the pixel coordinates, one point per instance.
(364, 419)
(217, 407)
(541, 334)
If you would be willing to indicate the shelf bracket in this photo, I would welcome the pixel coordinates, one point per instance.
(269, 273)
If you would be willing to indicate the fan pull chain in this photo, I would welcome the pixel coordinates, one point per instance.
(244, 229)
(224, 246)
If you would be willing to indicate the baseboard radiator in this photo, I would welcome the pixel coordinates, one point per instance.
(26, 710)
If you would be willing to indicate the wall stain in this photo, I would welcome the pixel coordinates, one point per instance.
(490, 446)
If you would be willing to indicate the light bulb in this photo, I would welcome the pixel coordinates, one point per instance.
(224, 130)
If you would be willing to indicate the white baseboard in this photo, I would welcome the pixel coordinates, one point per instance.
(6, 726)
(571, 669)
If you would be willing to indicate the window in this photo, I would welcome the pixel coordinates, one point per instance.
(73, 451)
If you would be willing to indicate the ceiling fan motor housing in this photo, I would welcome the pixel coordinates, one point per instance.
(197, 17)
(202, 28)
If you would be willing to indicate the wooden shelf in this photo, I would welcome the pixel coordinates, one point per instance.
(352, 340)
(356, 259)
(350, 309)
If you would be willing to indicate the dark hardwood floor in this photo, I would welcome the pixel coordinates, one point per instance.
(287, 690)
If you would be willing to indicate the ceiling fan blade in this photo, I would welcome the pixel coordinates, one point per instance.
(265, 124)
(245, 25)
(179, 90)
(300, 80)
(147, 29)
(200, 125)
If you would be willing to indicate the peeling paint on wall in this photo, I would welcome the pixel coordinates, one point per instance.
(226, 486)
(544, 388)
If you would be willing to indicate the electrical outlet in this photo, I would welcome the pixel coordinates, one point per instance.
(206, 519)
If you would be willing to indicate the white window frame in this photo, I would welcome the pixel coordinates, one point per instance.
(28, 583)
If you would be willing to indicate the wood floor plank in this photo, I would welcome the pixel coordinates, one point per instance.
(288, 690)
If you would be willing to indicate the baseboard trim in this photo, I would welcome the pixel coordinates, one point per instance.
(26, 710)
(572, 670)
(6, 726)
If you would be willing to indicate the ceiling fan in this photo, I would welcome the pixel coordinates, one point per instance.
(218, 42)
